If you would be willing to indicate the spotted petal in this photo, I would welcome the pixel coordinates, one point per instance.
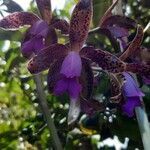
(139, 68)
(44, 7)
(46, 57)
(104, 59)
(79, 24)
(60, 24)
(134, 44)
(116, 82)
(17, 20)
(86, 79)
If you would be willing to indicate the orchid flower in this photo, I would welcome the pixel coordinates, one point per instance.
(41, 32)
(65, 62)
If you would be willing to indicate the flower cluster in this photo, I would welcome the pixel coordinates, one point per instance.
(70, 65)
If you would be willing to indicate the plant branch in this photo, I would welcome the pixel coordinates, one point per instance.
(46, 112)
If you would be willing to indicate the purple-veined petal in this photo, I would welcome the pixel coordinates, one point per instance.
(60, 24)
(72, 65)
(74, 111)
(79, 24)
(39, 28)
(74, 88)
(44, 7)
(17, 20)
(46, 57)
(104, 59)
(130, 88)
(129, 106)
(134, 44)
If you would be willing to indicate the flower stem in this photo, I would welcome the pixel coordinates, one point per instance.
(143, 122)
(143, 126)
(46, 112)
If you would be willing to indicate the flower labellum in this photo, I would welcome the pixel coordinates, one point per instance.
(70, 70)
(129, 106)
(72, 65)
(132, 95)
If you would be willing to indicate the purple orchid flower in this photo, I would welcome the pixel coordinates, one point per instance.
(68, 67)
(115, 26)
(132, 95)
(119, 27)
(41, 32)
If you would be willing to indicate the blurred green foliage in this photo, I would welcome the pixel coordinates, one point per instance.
(21, 123)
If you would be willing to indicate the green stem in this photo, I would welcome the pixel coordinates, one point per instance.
(46, 112)
(143, 123)
(143, 126)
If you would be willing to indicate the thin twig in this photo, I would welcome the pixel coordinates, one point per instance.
(46, 112)
(95, 30)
